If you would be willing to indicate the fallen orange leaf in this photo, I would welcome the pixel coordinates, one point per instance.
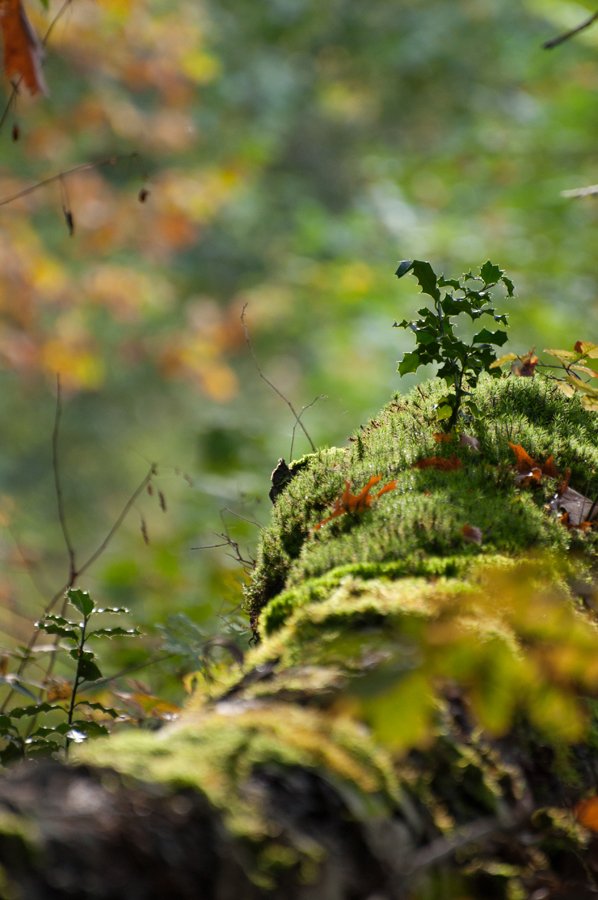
(356, 503)
(23, 52)
(586, 813)
(443, 463)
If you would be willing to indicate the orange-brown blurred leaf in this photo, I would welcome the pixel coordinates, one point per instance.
(529, 469)
(586, 813)
(525, 366)
(523, 460)
(443, 463)
(23, 52)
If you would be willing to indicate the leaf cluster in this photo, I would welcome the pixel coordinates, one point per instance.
(67, 717)
(459, 363)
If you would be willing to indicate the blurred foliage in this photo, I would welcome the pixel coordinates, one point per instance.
(287, 155)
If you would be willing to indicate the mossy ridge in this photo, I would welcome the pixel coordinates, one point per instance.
(218, 751)
(424, 516)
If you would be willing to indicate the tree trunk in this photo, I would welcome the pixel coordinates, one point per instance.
(415, 719)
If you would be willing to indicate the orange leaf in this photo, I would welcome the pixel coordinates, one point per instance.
(387, 487)
(586, 813)
(523, 460)
(550, 469)
(525, 366)
(442, 438)
(355, 503)
(22, 50)
(443, 463)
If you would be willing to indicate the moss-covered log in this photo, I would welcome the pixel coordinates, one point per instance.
(416, 718)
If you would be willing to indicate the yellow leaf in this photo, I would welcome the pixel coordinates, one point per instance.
(508, 357)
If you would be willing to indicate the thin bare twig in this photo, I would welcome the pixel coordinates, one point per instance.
(561, 38)
(58, 486)
(298, 422)
(270, 384)
(108, 161)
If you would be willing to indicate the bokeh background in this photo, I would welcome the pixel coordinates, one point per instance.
(290, 152)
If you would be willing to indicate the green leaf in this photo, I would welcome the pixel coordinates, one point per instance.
(6, 724)
(490, 273)
(113, 610)
(68, 634)
(426, 278)
(410, 363)
(444, 411)
(490, 337)
(34, 710)
(113, 632)
(81, 601)
(404, 267)
(86, 666)
(89, 728)
(108, 710)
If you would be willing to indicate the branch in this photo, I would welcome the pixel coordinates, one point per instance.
(108, 161)
(271, 385)
(58, 486)
(561, 38)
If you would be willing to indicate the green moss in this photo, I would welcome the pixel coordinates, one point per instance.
(216, 752)
(424, 516)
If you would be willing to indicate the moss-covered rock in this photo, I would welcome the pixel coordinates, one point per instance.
(415, 718)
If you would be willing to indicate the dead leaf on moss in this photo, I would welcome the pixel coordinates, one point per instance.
(529, 470)
(442, 463)
(356, 503)
(473, 534)
(579, 511)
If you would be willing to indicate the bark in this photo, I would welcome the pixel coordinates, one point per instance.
(416, 718)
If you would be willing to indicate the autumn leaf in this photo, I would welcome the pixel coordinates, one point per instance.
(529, 469)
(23, 52)
(586, 813)
(443, 463)
(585, 348)
(525, 366)
(356, 503)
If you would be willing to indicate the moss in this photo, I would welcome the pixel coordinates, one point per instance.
(216, 752)
(392, 612)
(424, 516)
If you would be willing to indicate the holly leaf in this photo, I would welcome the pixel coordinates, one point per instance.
(426, 278)
(490, 337)
(491, 273)
(81, 601)
(405, 266)
(410, 363)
